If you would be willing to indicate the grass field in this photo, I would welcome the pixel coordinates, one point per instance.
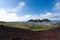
(30, 26)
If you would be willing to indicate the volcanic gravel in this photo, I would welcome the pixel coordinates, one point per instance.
(11, 33)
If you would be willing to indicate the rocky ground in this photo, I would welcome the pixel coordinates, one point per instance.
(10, 33)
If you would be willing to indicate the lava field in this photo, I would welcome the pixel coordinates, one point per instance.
(11, 33)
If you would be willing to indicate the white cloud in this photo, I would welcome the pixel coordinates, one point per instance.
(19, 7)
(25, 17)
(57, 6)
(51, 16)
(21, 4)
(5, 16)
(48, 15)
(55, 14)
(11, 15)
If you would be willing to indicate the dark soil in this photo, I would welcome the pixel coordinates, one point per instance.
(9, 33)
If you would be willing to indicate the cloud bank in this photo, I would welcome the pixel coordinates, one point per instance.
(10, 15)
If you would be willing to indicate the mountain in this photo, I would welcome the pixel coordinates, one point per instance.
(38, 20)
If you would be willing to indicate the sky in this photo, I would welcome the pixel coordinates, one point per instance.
(23, 10)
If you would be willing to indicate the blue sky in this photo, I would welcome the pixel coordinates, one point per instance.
(23, 10)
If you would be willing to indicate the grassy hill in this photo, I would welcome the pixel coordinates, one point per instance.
(28, 25)
(12, 33)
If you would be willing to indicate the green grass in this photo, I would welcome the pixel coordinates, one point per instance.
(40, 28)
(14, 24)
(20, 25)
